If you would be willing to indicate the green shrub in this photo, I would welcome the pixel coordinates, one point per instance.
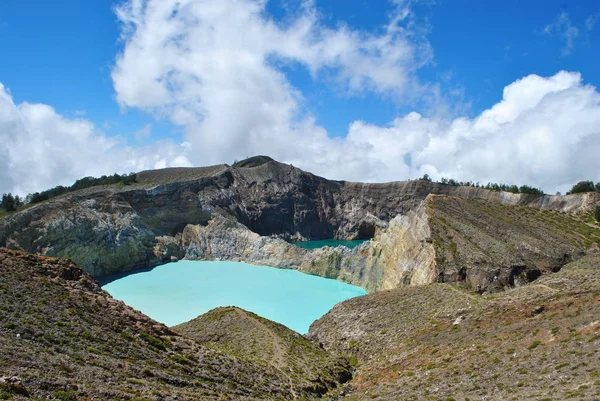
(353, 361)
(597, 213)
(65, 395)
(159, 343)
(582, 186)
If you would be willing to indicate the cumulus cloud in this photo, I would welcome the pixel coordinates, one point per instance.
(563, 27)
(41, 149)
(544, 131)
(217, 69)
(591, 21)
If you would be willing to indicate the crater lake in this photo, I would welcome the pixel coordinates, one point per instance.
(178, 292)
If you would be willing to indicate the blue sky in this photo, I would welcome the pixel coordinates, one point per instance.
(62, 53)
(64, 50)
(65, 53)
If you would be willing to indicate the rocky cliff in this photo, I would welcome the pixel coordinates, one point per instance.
(487, 246)
(247, 211)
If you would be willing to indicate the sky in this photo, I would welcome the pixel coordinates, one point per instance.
(375, 91)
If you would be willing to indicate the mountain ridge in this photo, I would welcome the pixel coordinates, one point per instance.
(248, 214)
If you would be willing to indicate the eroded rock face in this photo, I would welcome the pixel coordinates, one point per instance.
(483, 245)
(398, 255)
(228, 240)
(247, 213)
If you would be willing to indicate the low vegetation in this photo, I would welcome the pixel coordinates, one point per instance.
(86, 182)
(250, 337)
(523, 189)
(63, 338)
(539, 342)
(580, 187)
(584, 186)
(12, 203)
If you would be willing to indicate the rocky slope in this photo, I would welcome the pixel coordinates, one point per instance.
(246, 211)
(539, 341)
(62, 337)
(248, 336)
(486, 246)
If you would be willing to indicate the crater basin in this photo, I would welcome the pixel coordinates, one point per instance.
(177, 292)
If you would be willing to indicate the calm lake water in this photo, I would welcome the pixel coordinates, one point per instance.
(328, 242)
(177, 292)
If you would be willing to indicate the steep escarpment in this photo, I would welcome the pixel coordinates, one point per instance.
(491, 246)
(63, 337)
(539, 341)
(400, 254)
(243, 212)
(486, 246)
(483, 245)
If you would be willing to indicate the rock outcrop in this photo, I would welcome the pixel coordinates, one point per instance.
(486, 246)
(248, 211)
(399, 255)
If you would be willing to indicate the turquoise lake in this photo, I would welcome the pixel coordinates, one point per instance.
(328, 242)
(177, 292)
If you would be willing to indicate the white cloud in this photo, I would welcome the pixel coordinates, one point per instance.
(562, 27)
(591, 21)
(40, 149)
(545, 131)
(215, 68)
(212, 67)
(144, 133)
